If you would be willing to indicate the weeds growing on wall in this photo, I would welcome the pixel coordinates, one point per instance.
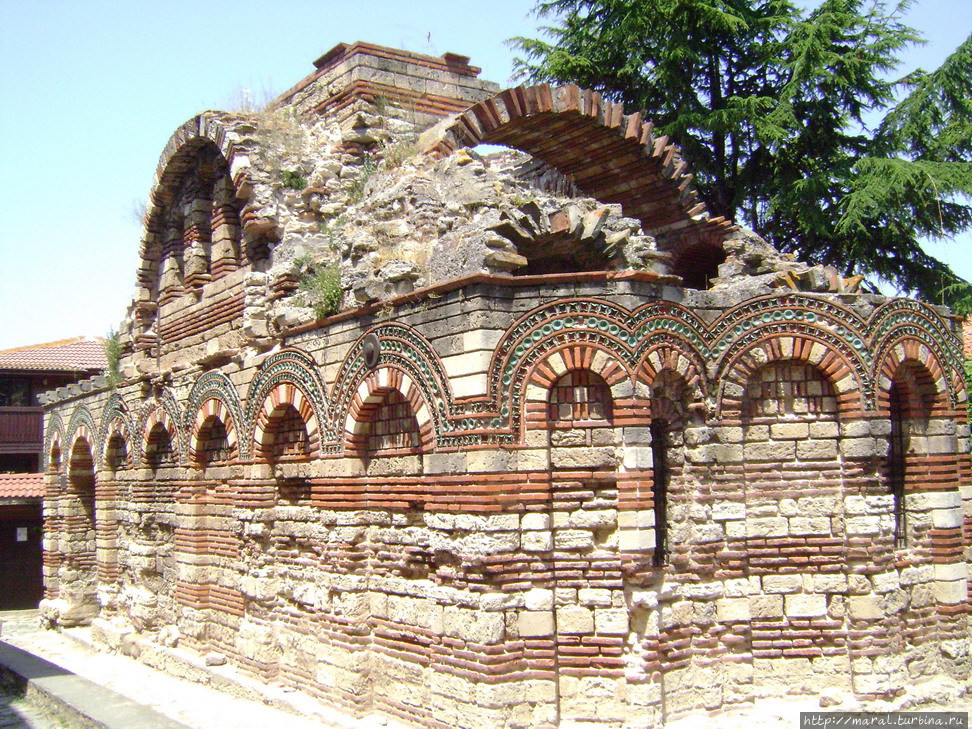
(292, 179)
(113, 352)
(368, 169)
(323, 289)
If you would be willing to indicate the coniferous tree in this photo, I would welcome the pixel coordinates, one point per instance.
(790, 119)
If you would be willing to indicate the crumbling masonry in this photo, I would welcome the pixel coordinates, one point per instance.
(509, 438)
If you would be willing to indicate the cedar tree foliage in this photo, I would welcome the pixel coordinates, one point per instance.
(792, 119)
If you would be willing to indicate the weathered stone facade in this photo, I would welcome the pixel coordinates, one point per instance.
(556, 449)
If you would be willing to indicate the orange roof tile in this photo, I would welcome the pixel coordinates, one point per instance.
(21, 485)
(67, 355)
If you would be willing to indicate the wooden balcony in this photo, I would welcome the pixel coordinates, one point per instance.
(21, 430)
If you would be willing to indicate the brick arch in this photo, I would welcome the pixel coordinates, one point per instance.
(371, 393)
(53, 438)
(834, 367)
(667, 357)
(284, 394)
(82, 422)
(607, 154)
(216, 386)
(116, 419)
(571, 357)
(211, 409)
(910, 363)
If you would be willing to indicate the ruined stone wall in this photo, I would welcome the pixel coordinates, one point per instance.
(526, 501)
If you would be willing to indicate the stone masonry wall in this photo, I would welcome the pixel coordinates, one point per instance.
(597, 499)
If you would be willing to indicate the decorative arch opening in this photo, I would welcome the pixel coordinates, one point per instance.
(390, 425)
(80, 553)
(911, 400)
(670, 407)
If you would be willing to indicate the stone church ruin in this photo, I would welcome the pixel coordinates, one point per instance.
(512, 436)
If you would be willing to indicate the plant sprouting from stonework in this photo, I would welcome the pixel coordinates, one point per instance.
(394, 155)
(293, 179)
(282, 141)
(368, 169)
(113, 352)
(323, 289)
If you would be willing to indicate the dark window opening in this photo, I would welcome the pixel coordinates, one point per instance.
(698, 265)
(214, 440)
(15, 392)
(897, 466)
(158, 450)
(659, 491)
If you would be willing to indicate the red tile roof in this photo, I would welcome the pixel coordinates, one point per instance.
(67, 355)
(21, 485)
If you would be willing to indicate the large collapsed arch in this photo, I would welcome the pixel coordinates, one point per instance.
(609, 155)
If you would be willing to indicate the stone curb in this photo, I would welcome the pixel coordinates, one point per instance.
(75, 698)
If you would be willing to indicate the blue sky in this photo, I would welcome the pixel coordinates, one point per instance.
(91, 91)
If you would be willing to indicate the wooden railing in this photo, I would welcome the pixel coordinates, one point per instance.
(22, 428)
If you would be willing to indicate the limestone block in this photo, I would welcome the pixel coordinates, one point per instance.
(862, 447)
(742, 586)
(584, 457)
(535, 521)
(538, 599)
(950, 593)
(951, 571)
(706, 533)
(593, 518)
(473, 626)
(789, 431)
(573, 539)
(824, 430)
(636, 540)
(817, 450)
(611, 621)
(767, 527)
(715, 453)
(782, 583)
(637, 458)
(536, 624)
(805, 606)
(733, 609)
(886, 581)
(863, 525)
(780, 452)
(725, 510)
(594, 596)
(946, 518)
(927, 500)
(815, 525)
(921, 573)
(865, 607)
(536, 541)
(830, 583)
(575, 620)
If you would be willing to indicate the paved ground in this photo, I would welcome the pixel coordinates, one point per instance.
(180, 702)
(21, 713)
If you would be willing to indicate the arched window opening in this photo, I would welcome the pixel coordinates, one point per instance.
(214, 443)
(393, 426)
(116, 453)
(81, 482)
(661, 482)
(897, 465)
(698, 265)
(158, 449)
(288, 438)
(581, 397)
(789, 390)
(561, 253)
